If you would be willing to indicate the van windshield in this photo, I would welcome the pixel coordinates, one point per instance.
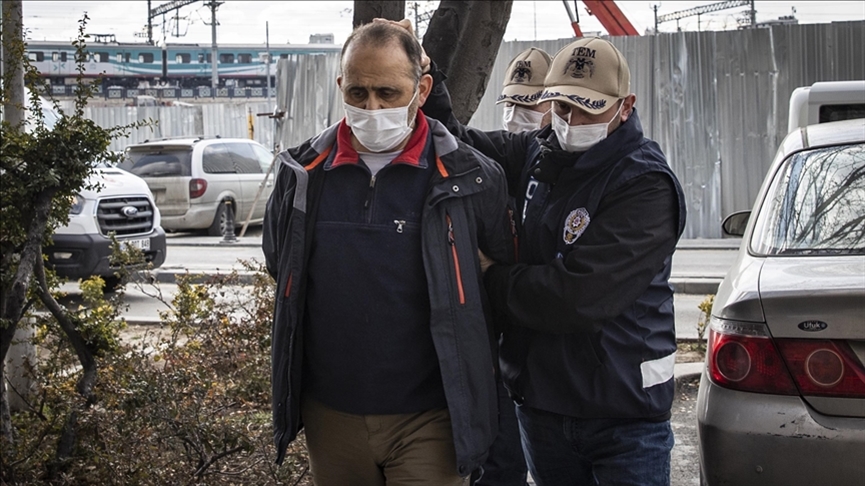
(158, 162)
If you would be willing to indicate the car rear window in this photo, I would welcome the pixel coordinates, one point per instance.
(815, 205)
(158, 161)
(230, 158)
(831, 113)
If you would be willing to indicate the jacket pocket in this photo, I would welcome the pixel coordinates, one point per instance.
(456, 259)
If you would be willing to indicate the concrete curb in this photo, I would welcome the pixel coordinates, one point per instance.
(731, 244)
(142, 321)
(216, 242)
(684, 372)
(695, 285)
(244, 277)
(681, 285)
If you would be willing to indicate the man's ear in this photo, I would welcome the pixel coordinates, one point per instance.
(628, 107)
(339, 81)
(424, 88)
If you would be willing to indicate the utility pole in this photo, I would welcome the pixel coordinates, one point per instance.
(214, 71)
(149, 24)
(753, 15)
(655, 7)
(416, 19)
(267, 48)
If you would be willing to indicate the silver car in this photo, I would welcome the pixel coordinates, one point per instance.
(196, 180)
(782, 396)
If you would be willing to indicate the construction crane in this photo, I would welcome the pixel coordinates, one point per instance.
(698, 11)
(608, 14)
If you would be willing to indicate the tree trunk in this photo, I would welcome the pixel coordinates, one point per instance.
(442, 39)
(463, 39)
(366, 10)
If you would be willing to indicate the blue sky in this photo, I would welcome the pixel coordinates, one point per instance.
(243, 21)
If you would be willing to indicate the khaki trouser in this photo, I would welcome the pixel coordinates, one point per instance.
(378, 450)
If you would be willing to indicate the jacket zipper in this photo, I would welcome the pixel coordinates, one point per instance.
(369, 195)
(452, 243)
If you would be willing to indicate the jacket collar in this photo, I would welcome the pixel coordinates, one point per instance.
(444, 144)
(410, 155)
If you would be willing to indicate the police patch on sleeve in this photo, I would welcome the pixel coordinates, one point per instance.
(575, 224)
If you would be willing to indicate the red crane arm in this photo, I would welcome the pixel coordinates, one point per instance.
(611, 17)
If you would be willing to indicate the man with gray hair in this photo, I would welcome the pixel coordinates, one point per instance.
(383, 347)
(588, 356)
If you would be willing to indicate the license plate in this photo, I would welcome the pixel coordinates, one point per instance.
(142, 244)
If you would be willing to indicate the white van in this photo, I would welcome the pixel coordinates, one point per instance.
(122, 205)
(826, 101)
(193, 179)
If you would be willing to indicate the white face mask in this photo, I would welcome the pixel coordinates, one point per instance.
(518, 118)
(580, 138)
(379, 130)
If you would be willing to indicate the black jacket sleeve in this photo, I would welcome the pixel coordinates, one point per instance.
(624, 247)
(496, 229)
(276, 216)
(508, 149)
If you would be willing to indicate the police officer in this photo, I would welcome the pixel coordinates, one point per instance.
(589, 353)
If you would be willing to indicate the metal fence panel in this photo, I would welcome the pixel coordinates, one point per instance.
(308, 96)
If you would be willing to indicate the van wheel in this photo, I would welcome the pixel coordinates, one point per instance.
(112, 283)
(220, 220)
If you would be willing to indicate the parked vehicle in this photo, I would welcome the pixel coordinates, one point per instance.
(782, 396)
(195, 180)
(121, 204)
(826, 101)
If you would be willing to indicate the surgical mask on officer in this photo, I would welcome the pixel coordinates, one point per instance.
(518, 118)
(379, 130)
(580, 138)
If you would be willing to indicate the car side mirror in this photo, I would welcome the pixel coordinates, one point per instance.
(735, 224)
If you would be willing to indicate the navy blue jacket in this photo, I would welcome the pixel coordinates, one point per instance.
(591, 308)
(465, 210)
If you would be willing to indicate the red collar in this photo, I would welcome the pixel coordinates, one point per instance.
(411, 154)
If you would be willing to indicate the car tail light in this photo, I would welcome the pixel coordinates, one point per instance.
(824, 367)
(743, 356)
(197, 188)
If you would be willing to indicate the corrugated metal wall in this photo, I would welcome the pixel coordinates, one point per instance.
(308, 94)
(209, 120)
(716, 102)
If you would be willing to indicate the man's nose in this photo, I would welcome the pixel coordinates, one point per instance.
(578, 118)
(373, 103)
